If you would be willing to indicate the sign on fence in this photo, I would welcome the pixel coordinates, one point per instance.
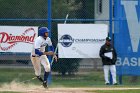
(17, 38)
(127, 36)
(81, 40)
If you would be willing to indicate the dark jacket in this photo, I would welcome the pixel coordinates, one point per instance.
(106, 60)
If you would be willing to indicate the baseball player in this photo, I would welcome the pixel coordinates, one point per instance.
(109, 57)
(39, 56)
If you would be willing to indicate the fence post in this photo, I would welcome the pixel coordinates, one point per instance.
(110, 28)
(49, 27)
(110, 18)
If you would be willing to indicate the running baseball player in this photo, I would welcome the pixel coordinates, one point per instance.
(109, 57)
(39, 56)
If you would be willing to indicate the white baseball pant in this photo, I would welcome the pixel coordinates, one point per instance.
(38, 61)
(112, 69)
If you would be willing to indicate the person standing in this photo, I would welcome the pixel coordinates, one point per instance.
(39, 56)
(109, 56)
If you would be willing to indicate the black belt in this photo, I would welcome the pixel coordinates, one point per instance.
(34, 56)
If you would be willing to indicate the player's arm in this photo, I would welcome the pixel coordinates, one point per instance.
(38, 52)
(37, 49)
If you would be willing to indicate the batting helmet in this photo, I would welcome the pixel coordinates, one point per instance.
(43, 30)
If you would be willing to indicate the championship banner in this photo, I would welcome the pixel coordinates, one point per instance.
(81, 40)
(127, 36)
(17, 38)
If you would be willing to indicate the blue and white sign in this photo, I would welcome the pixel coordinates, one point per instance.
(81, 40)
(127, 36)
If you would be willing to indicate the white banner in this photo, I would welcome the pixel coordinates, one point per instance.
(17, 38)
(81, 40)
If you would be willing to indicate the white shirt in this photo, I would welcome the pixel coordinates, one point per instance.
(40, 43)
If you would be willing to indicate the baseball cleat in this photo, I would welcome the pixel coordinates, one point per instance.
(45, 85)
(39, 78)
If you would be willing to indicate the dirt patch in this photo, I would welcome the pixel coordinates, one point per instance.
(18, 87)
(31, 88)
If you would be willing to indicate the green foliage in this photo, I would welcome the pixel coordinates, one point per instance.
(39, 8)
(23, 8)
(59, 10)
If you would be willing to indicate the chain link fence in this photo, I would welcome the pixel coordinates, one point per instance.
(35, 13)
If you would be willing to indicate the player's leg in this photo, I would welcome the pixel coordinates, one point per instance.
(113, 73)
(37, 67)
(46, 65)
(106, 72)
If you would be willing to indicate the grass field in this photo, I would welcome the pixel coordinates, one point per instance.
(13, 77)
(115, 91)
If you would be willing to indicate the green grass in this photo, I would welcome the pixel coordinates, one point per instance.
(115, 91)
(10, 74)
(86, 80)
(91, 79)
